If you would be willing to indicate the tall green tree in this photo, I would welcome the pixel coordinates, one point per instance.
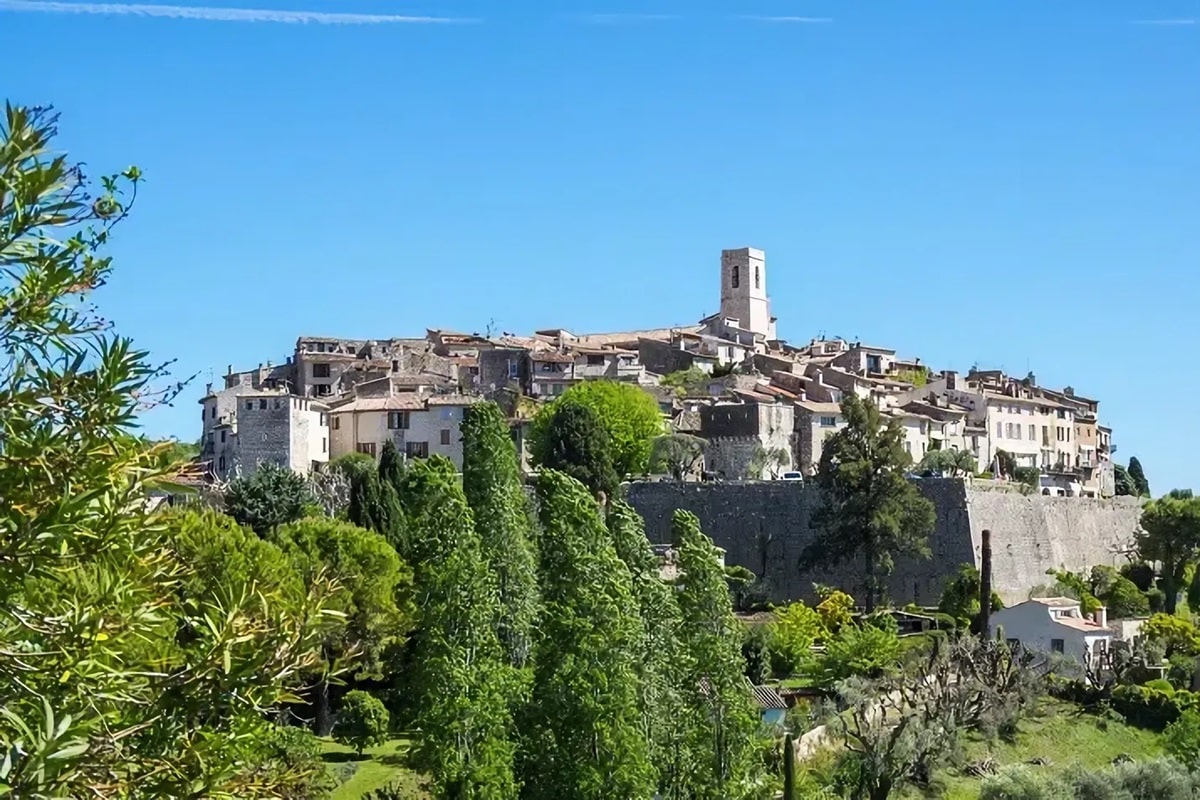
(575, 443)
(659, 652)
(374, 594)
(629, 415)
(721, 718)
(1124, 485)
(1138, 476)
(584, 736)
(270, 496)
(462, 685)
(1170, 537)
(366, 501)
(495, 491)
(119, 682)
(869, 510)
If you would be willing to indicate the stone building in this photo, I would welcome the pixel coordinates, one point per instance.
(749, 438)
(246, 426)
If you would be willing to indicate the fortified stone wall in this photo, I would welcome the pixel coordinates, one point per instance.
(764, 526)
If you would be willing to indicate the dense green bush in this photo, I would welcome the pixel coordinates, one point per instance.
(362, 722)
(1152, 708)
(1162, 779)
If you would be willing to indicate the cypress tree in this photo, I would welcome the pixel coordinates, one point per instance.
(577, 444)
(583, 736)
(1138, 476)
(391, 514)
(364, 509)
(496, 494)
(460, 684)
(722, 722)
(659, 651)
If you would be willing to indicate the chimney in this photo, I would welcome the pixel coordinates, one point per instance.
(1101, 617)
(1069, 391)
(229, 370)
(268, 363)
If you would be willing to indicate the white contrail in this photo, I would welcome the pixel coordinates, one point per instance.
(216, 14)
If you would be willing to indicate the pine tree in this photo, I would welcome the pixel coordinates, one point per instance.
(583, 736)
(721, 719)
(1139, 478)
(461, 684)
(496, 494)
(658, 681)
(869, 509)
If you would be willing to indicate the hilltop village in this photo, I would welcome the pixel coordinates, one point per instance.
(763, 406)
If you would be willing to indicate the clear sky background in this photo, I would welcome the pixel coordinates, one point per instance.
(1010, 184)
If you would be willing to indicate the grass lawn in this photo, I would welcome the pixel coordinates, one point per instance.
(1060, 733)
(378, 767)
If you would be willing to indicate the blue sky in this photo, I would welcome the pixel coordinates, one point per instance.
(1013, 185)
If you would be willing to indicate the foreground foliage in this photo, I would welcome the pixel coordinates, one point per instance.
(119, 680)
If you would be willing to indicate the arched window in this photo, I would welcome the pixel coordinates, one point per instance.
(734, 277)
(757, 278)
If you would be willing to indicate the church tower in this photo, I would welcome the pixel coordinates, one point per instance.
(744, 290)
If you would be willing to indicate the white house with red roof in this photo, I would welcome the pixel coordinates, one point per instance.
(1056, 625)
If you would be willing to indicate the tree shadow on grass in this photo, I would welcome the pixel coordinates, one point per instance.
(343, 758)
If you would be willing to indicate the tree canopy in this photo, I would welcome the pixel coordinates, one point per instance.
(575, 443)
(1138, 476)
(125, 675)
(628, 414)
(869, 509)
(271, 496)
(1170, 536)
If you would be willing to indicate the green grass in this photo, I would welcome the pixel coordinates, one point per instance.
(1061, 733)
(378, 767)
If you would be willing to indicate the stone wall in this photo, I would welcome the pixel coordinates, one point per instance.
(764, 526)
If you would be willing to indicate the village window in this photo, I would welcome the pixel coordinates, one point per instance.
(735, 277)
(757, 278)
(416, 449)
(514, 369)
(320, 370)
(324, 421)
(222, 437)
(262, 404)
(1032, 432)
(324, 445)
(398, 420)
(999, 430)
(221, 464)
(1056, 645)
(320, 347)
(337, 423)
(445, 436)
(595, 361)
(324, 390)
(367, 447)
(214, 412)
(828, 422)
(395, 366)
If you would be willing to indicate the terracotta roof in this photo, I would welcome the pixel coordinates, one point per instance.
(552, 356)
(407, 401)
(1056, 602)
(1081, 624)
(453, 400)
(819, 408)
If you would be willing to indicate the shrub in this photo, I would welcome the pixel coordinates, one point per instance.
(1022, 783)
(1153, 708)
(1140, 574)
(835, 608)
(757, 653)
(363, 721)
(296, 752)
(793, 634)
(272, 496)
(1182, 738)
(1161, 685)
(863, 650)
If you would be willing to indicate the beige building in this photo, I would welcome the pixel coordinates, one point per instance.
(419, 424)
(815, 423)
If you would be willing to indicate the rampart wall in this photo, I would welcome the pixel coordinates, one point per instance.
(764, 526)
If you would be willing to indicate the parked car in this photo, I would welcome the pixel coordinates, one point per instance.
(792, 476)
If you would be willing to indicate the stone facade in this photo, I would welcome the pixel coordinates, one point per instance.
(764, 526)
